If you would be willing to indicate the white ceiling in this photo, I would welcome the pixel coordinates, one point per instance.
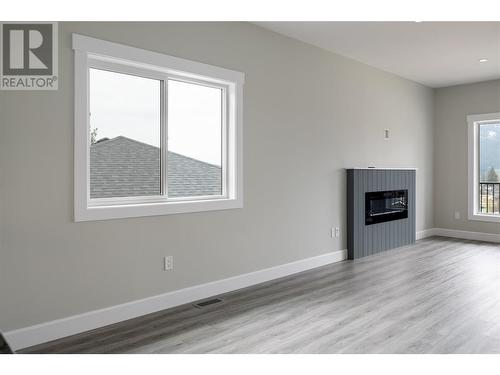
(436, 54)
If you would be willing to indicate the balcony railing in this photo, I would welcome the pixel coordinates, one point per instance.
(489, 197)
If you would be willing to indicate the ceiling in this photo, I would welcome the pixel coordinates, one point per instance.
(436, 54)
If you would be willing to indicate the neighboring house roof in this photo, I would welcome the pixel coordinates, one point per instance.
(122, 167)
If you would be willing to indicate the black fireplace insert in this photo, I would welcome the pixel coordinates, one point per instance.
(382, 206)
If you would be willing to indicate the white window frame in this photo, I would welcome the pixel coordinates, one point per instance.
(473, 122)
(100, 54)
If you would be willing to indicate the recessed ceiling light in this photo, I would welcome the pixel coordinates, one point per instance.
(483, 60)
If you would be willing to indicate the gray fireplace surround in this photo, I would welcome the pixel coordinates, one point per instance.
(380, 209)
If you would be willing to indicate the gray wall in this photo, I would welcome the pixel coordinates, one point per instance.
(307, 115)
(452, 105)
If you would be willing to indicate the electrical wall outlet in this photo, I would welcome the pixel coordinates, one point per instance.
(457, 215)
(335, 232)
(168, 263)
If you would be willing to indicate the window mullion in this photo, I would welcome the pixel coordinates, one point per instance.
(164, 138)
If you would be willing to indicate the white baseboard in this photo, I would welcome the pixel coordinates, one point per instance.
(44, 332)
(467, 235)
(425, 233)
(462, 234)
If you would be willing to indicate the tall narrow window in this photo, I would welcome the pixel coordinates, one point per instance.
(154, 134)
(489, 167)
(484, 167)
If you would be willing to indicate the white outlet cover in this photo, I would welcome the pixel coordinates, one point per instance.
(168, 263)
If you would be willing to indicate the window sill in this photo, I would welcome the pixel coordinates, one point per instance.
(493, 218)
(94, 213)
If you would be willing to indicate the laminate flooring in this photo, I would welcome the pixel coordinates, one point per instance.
(439, 295)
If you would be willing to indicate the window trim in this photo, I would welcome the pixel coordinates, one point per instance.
(473, 122)
(99, 54)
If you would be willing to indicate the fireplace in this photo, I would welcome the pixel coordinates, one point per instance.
(382, 206)
(380, 209)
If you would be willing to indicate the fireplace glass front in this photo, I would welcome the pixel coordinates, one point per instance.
(382, 206)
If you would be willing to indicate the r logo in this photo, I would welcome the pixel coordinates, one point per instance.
(27, 49)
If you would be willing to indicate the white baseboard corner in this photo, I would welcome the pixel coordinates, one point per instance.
(467, 235)
(461, 234)
(56, 329)
(425, 233)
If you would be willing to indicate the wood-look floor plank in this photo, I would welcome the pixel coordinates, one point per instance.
(439, 295)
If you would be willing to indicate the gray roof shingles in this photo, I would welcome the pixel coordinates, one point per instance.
(123, 167)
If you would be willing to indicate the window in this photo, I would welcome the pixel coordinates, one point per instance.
(195, 129)
(484, 167)
(124, 126)
(154, 134)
